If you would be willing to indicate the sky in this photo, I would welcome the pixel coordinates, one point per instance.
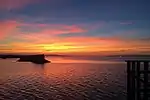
(99, 27)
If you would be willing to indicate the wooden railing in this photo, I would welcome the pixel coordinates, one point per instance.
(138, 80)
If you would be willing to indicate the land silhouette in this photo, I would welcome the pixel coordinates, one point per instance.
(37, 59)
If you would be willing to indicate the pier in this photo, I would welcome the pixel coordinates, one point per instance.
(138, 80)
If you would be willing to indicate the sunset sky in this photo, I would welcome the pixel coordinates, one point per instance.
(75, 26)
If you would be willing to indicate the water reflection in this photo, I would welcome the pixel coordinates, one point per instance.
(62, 81)
(76, 60)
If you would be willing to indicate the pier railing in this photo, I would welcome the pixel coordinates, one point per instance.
(138, 80)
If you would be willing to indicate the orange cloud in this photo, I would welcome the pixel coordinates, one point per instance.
(78, 45)
(82, 40)
(87, 45)
(46, 40)
(14, 4)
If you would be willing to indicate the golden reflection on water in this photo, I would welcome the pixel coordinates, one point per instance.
(60, 67)
(75, 60)
(65, 70)
(66, 78)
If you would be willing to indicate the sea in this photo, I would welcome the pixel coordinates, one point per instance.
(63, 79)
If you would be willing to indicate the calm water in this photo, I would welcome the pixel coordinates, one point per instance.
(63, 79)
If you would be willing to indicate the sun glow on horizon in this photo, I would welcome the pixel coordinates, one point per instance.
(51, 38)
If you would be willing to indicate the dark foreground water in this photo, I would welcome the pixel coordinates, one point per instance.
(64, 79)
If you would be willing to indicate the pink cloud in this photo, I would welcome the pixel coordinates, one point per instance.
(40, 38)
(54, 29)
(64, 30)
(7, 27)
(14, 4)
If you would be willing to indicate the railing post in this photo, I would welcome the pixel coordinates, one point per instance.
(128, 80)
(133, 80)
(138, 81)
(138, 86)
(146, 65)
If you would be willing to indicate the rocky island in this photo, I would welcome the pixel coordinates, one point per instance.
(37, 59)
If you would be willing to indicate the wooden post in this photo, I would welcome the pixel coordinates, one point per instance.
(146, 80)
(138, 81)
(133, 80)
(138, 87)
(128, 80)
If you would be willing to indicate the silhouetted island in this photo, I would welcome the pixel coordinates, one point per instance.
(37, 59)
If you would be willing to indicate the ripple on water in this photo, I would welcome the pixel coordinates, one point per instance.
(95, 85)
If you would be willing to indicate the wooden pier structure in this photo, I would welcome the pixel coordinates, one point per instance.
(138, 79)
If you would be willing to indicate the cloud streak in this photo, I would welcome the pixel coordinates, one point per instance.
(84, 45)
(47, 38)
(15, 4)
(9, 28)
(101, 45)
(62, 30)
(127, 23)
